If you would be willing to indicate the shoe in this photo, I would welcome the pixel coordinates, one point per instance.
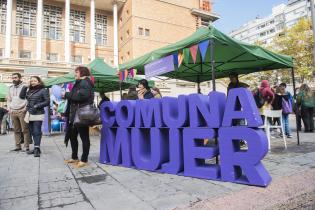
(81, 164)
(71, 161)
(31, 152)
(16, 150)
(36, 152)
(289, 136)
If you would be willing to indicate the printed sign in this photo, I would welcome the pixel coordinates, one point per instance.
(159, 67)
(167, 135)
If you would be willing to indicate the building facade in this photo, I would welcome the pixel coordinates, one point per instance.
(50, 38)
(263, 30)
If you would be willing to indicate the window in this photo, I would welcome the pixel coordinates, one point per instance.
(77, 59)
(147, 32)
(77, 26)
(1, 52)
(25, 18)
(206, 5)
(52, 22)
(128, 32)
(101, 29)
(140, 31)
(24, 54)
(52, 57)
(3, 13)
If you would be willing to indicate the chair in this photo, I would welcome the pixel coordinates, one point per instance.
(273, 114)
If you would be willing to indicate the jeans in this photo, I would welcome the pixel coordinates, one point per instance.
(36, 132)
(285, 121)
(84, 135)
(307, 117)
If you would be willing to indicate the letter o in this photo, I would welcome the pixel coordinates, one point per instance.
(125, 113)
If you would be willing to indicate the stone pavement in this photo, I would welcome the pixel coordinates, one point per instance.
(47, 183)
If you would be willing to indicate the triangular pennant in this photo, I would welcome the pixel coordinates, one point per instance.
(193, 51)
(126, 74)
(132, 73)
(175, 59)
(120, 76)
(186, 54)
(92, 79)
(203, 46)
(180, 58)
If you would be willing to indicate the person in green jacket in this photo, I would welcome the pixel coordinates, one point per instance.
(306, 100)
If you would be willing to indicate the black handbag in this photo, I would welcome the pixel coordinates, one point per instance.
(87, 115)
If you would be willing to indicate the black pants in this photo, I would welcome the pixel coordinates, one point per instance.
(307, 114)
(35, 128)
(84, 135)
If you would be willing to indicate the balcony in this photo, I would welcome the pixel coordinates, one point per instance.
(204, 14)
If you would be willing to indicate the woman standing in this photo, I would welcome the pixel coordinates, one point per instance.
(81, 94)
(306, 100)
(156, 92)
(37, 98)
(144, 91)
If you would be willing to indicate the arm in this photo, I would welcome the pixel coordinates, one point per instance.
(23, 93)
(82, 94)
(46, 100)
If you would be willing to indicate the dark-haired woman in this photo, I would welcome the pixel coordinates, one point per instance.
(144, 91)
(81, 94)
(37, 99)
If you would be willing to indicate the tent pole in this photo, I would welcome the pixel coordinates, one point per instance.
(212, 63)
(198, 85)
(296, 112)
(213, 87)
(120, 89)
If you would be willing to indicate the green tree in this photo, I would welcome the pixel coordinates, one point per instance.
(297, 42)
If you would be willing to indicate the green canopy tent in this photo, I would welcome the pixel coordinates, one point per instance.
(3, 91)
(106, 78)
(223, 56)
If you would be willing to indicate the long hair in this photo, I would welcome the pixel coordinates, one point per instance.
(307, 90)
(40, 81)
(157, 90)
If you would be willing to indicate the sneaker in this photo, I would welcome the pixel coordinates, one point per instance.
(36, 152)
(31, 152)
(289, 136)
(16, 150)
(81, 164)
(71, 161)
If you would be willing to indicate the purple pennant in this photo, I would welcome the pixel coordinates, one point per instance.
(203, 46)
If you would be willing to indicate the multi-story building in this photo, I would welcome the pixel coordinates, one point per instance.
(50, 37)
(263, 30)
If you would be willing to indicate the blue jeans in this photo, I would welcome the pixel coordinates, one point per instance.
(285, 121)
(35, 128)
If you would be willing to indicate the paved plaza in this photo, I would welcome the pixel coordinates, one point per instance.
(47, 183)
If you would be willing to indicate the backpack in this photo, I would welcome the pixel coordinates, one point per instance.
(260, 101)
(286, 106)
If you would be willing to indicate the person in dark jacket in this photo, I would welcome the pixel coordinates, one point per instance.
(104, 98)
(144, 90)
(81, 94)
(235, 83)
(37, 98)
(3, 120)
(132, 93)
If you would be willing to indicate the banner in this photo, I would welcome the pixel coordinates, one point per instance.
(159, 67)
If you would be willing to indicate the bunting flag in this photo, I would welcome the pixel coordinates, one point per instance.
(120, 76)
(193, 51)
(186, 54)
(203, 47)
(132, 73)
(126, 74)
(180, 58)
(175, 59)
